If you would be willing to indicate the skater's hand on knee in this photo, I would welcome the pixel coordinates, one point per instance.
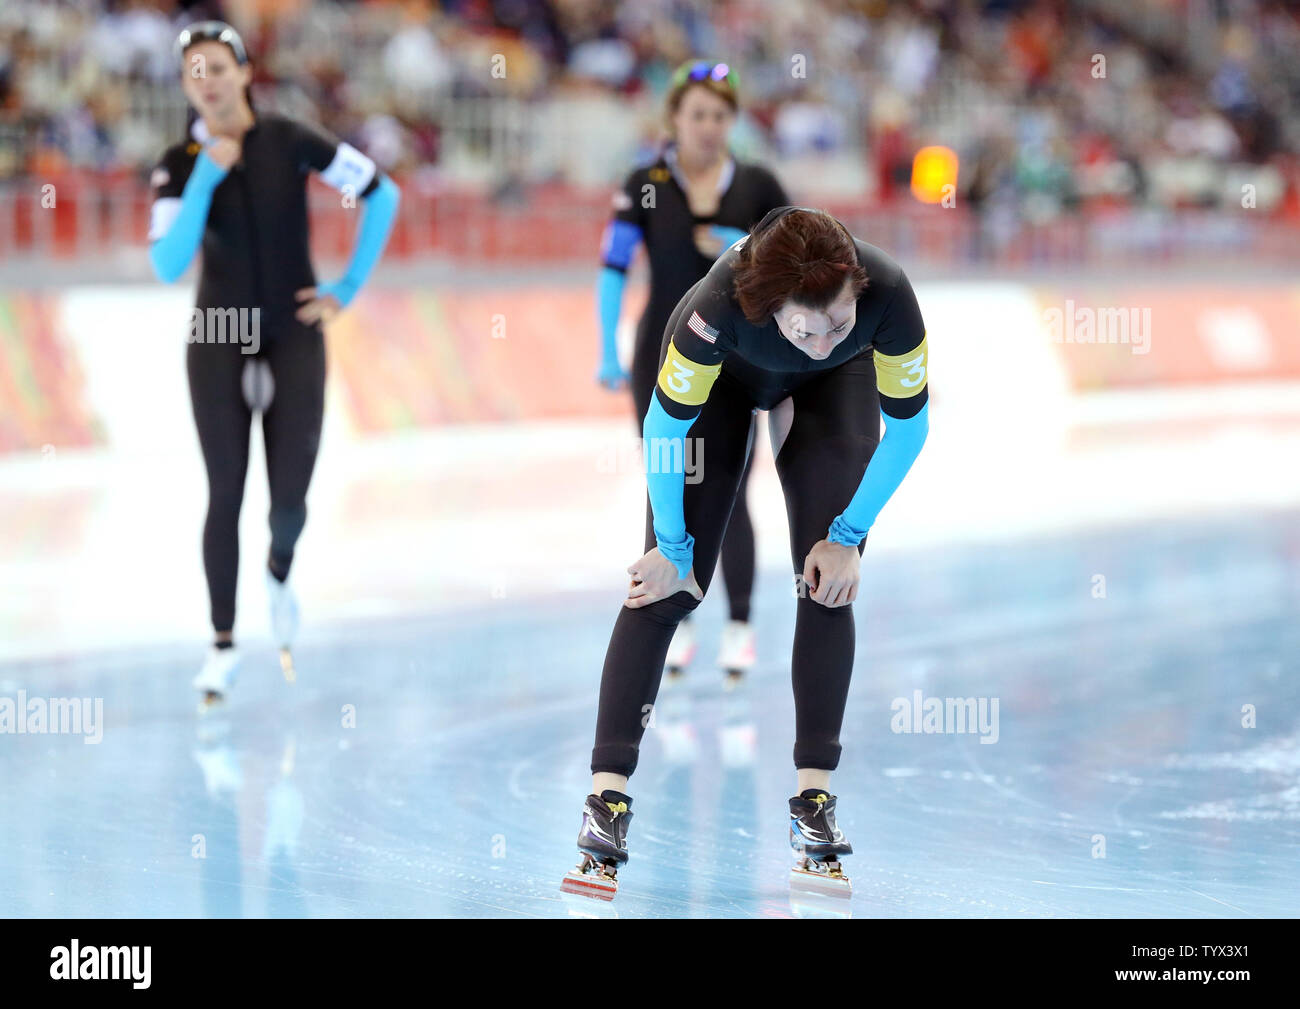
(830, 573)
(654, 577)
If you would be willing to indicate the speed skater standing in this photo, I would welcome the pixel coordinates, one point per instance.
(688, 207)
(237, 186)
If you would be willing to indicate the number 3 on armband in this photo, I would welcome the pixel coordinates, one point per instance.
(916, 368)
(680, 380)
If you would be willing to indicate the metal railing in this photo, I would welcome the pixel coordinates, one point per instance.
(99, 218)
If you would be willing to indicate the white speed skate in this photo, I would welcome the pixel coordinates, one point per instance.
(216, 677)
(284, 620)
(736, 653)
(681, 651)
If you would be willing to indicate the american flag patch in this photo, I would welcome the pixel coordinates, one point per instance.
(701, 328)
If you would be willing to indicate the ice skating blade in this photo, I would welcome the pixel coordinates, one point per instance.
(819, 895)
(588, 884)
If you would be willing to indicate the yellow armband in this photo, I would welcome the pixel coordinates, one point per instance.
(683, 381)
(903, 376)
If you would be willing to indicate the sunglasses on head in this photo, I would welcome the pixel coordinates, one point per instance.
(211, 31)
(703, 70)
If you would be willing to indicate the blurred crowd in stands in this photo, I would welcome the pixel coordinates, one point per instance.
(1052, 106)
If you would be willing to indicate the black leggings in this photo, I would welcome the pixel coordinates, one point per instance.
(290, 430)
(738, 539)
(835, 430)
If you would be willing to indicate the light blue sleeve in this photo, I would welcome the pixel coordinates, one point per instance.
(609, 304)
(892, 459)
(664, 442)
(172, 253)
(380, 208)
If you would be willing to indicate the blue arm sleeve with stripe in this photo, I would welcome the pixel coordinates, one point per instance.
(376, 223)
(617, 247)
(897, 451)
(172, 253)
(664, 437)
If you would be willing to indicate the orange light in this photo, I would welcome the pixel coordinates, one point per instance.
(933, 170)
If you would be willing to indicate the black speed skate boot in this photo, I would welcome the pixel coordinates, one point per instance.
(818, 843)
(603, 844)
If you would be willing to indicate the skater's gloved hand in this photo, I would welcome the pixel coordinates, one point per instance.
(655, 577)
(319, 305)
(830, 573)
(611, 374)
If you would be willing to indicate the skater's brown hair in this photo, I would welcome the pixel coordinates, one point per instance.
(804, 256)
(716, 78)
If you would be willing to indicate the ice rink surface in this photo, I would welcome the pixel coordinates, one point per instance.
(437, 766)
(1120, 576)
